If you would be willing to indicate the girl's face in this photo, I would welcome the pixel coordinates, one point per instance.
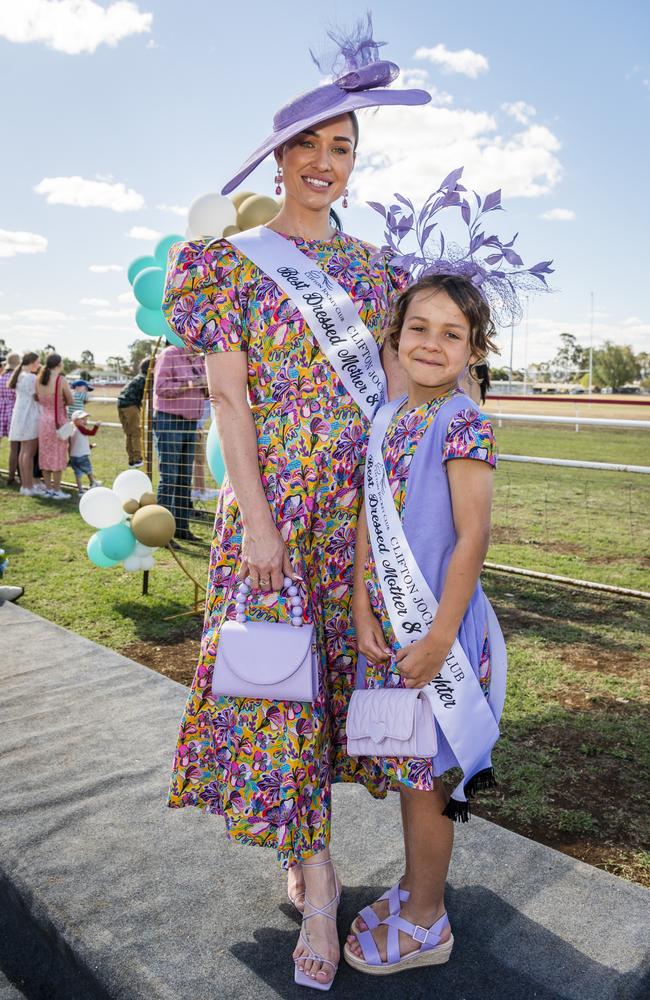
(434, 346)
(34, 367)
(317, 163)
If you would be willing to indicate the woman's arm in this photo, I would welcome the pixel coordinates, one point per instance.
(264, 555)
(470, 482)
(67, 392)
(370, 636)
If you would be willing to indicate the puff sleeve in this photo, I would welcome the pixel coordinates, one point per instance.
(203, 300)
(470, 435)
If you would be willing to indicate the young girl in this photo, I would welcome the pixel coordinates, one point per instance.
(441, 328)
(80, 450)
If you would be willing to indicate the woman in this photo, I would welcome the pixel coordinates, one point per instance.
(7, 402)
(54, 394)
(23, 429)
(290, 502)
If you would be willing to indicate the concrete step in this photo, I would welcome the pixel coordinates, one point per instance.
(108, 894)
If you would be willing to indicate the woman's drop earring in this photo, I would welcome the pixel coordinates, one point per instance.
(278, 182)
(345, 198)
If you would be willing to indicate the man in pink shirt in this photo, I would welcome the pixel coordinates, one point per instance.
(179, 392)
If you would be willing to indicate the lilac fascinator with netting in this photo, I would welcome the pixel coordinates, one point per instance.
(360, 81)
(415, 242)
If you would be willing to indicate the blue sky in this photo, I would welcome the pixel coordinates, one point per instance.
(155, 103)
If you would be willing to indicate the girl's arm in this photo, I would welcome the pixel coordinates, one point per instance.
(470, 482)
(370, 636)
(264, 555)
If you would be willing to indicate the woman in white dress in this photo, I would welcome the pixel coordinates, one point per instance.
(25, 419)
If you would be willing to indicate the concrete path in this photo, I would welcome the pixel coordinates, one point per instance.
(105, 893)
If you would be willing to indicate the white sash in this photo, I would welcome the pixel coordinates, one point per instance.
(457, 700)
(328, 310)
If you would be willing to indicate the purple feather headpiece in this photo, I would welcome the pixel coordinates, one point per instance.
(494, 267)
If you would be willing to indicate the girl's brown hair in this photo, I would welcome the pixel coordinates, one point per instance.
(482, 332)
(28, 359)
(52, 361)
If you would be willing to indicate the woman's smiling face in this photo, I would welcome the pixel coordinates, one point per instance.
(317, 163)
(434, 343)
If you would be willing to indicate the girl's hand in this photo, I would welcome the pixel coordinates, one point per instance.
(265, 559)
(370, 636)
(421, 661)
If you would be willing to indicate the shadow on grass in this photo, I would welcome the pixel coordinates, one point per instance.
(161, 619)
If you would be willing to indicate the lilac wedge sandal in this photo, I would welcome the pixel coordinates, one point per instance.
(430, 952)
(301, 978)
(395, 897)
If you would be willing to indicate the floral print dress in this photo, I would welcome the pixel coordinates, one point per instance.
(468, 435)
(267, 767)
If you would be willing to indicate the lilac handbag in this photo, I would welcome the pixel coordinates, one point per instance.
(391, 722)
(277, 661)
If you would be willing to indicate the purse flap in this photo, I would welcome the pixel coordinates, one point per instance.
(264, 652)
(378, 713)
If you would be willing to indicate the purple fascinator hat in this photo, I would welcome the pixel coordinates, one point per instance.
(415, 242)
(360, 81)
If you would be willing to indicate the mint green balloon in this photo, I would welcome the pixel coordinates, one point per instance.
(149, 286)
(138, 265)
(117, 542)
(151, 321)
(163, 247)
(95, 554)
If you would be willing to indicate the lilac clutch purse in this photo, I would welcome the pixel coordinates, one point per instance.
(277, 661)
(391, 722)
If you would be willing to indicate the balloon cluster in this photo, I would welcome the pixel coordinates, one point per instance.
(147, 278)
(213, 215)
(131, 524)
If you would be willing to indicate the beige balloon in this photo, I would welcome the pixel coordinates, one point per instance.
(231, 230)
(240, 197)
(153, 525)
(130, 506)
(147, 498)
(256, 211)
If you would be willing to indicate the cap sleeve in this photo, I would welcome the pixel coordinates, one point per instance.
(470, 435)
(202, 300)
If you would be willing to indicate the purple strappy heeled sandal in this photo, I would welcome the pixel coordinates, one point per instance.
(430, 952)
(301, 978)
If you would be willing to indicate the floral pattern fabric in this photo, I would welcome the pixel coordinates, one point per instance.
(267, 767)
(469, 435)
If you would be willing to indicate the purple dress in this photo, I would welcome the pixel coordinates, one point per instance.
(417, 446)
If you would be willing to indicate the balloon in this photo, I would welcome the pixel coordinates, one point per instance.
(256, 211)
(163, 247)
(138, 265)
(153, 525)
(131, 484)
(117, 542)
(231, 230)
(147, 498)
(100, 507)
(95, 554)
(142, 550)
(130, 506)
(149, 286)
(147, 562)
(241, 196)
(214, 456)
(210, 214)
(173, 338)
(152, 322)
(132, 564)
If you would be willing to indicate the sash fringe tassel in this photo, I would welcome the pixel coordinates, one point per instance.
(459, 812)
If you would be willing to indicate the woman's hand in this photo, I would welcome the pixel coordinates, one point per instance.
(420, 662)
(370, 635)
(265, 559)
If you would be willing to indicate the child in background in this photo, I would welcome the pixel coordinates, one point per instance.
(129, 403)
(80, 450)
(80, 389)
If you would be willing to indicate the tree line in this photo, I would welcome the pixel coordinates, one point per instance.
(613, 366)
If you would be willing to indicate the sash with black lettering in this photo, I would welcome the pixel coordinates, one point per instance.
(459, 706)
(328, 310)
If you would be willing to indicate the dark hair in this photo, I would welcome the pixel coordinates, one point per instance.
(355, 127)
(144, 366)
(27, 359)
(480, 372)
(52, 361)
(468, 299)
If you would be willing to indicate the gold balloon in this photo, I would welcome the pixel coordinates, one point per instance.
(147, 498)
(153, 525)
(231, 230)
(130, 506)
(256, 211)
(240, 197)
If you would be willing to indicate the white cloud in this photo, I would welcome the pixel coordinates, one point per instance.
(127, 297)
(13, 243)
(43, 315)
(105, 268)
(420, 78)
(143, 233)
(71, 26)
(520, 111)
(430, 141)
(83, 193)
(94, 302)
(180, 210)
(460, 61)
(543, 340)
(559, 215)
(112, 328)
(113, 313)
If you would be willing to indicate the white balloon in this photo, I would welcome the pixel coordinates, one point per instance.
(210, 214)
(131, 484)
(142, 550)
(101, 507)
(147, 562)
(132, 564)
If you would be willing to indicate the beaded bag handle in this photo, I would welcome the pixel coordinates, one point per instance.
(244, 595)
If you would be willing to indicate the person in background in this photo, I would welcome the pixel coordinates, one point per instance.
(129, 402)
(7, 401)
(80, 450)
(54, 394)
(199, 490)
(80, 389)
(179, 392)
(25, 417)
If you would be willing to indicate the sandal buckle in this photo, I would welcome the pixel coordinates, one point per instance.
(420, 934)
